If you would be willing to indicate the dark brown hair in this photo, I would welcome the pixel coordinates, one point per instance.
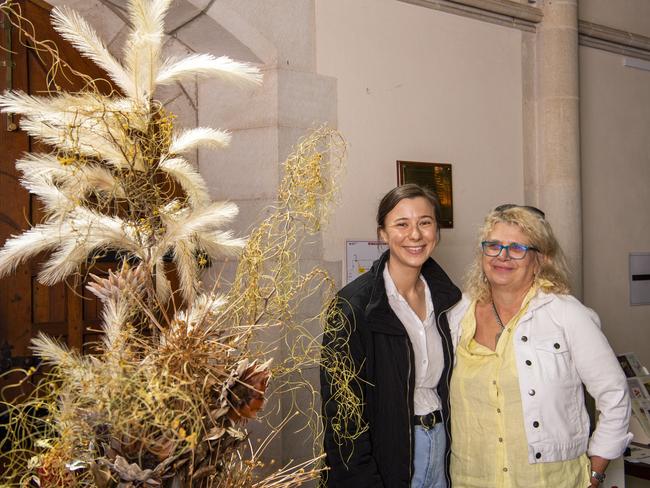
(399, 193)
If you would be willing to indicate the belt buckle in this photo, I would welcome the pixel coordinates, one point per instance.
(427, 426)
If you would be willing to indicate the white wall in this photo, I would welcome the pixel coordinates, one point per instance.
(417, 84)
(615, 129)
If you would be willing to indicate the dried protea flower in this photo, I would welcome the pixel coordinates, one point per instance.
(127, 279)
(246, 395)
(53, 471)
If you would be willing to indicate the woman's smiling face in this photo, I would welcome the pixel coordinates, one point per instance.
(501, 271)
(410, 232)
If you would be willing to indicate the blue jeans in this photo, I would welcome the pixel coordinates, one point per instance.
(429, 457)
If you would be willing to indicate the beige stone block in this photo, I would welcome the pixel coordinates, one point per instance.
(302, 405)
(175, 49)
(116, 44)
(103, 19)
(529, 131)
(529, 113)
(180, 98)
(241, 28)
(180, 12)
(320, 288)
(289, 138)
(324, 286)
(247, 169)
(561, 201)
(560, 140)
(236, 106)
(306, 99)
(560, 14)
(301, 348)
(204, 35)
(531, 194)
(528, 60)
(294, 46)
(252, 213)
(309, 334)
(334, 268)
(220, 275)
(287, 98)
(261, 430)
(557, 62)
(310, 246)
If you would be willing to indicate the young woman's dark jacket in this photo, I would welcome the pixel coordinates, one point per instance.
(369, 332)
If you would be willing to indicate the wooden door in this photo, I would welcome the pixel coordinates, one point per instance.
(65, 310)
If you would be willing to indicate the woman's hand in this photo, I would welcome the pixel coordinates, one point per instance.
(599, 465)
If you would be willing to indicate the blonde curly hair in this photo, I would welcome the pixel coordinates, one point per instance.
(553, 273)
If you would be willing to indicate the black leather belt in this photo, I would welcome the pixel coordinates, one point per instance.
(429, 420)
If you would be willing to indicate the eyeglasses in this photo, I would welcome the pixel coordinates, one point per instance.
(514, 250)
(530, 208)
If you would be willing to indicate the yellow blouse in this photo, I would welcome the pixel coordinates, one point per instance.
(489, 448)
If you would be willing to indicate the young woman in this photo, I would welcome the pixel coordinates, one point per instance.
(387, 358)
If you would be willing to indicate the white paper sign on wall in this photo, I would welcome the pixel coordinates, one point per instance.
(640, 278)
(359, 256)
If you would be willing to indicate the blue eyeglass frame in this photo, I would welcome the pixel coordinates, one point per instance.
(507, 248)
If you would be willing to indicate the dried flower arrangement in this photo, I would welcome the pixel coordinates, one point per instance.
(165, 399)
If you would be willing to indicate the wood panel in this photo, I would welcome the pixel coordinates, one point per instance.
(27, 307)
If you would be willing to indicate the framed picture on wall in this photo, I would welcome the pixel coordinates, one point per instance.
(435, 176)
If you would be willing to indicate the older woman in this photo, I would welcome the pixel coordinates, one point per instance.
(525, 349)
(387, 358)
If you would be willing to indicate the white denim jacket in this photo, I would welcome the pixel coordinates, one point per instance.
(559, 347)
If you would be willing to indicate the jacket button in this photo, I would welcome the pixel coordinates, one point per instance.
(556, 345)
(536, 424)
(528, 362)
(538, 455)
(531, 392)
(524, 338)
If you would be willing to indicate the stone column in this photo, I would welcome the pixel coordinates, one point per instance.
(554, 184)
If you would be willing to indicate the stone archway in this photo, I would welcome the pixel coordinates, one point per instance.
(238, 27)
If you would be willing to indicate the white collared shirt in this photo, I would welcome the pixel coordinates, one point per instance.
(427, 346)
